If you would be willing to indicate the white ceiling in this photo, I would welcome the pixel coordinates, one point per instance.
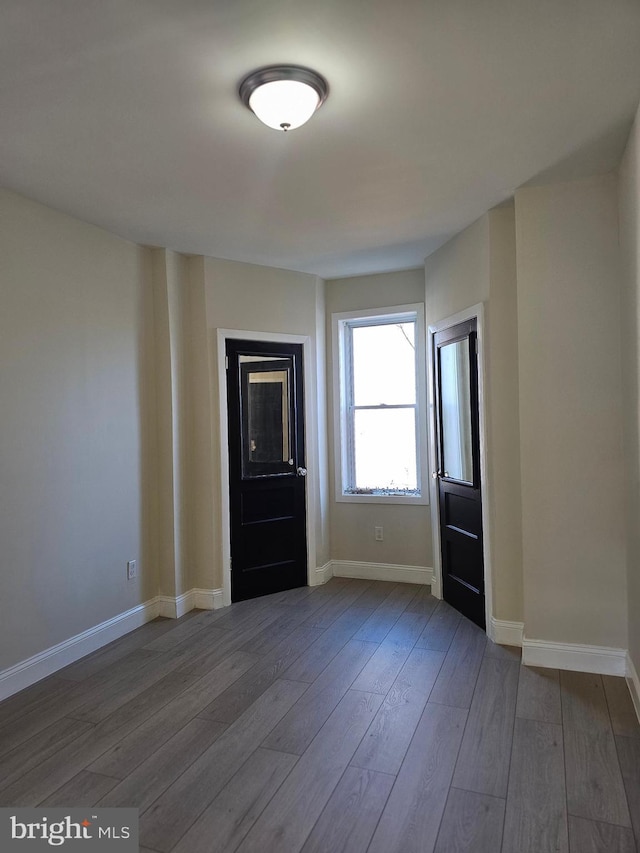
(125, 113)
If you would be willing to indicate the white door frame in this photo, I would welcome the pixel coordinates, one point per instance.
(477, 312)
(311, 455)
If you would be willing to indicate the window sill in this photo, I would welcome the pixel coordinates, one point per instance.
(416, 500)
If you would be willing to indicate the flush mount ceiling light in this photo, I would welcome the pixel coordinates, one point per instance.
(283, 96)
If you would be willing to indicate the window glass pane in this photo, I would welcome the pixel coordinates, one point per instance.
(384, 364)
(265, 393)
(385, 449)
(456, 411)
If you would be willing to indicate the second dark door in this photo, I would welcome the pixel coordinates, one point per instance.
(266, 467)
(458, 475)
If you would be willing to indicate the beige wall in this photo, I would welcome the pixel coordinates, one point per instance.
(200, 460)
(629, 195)
(478, 265)
(571, 413)
(73, 469)
(407, 529)
(182, 500)
(171, 379)
(503, 418)
(261, 299)
(457, 275)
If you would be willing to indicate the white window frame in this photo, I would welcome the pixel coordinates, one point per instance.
(342, 382)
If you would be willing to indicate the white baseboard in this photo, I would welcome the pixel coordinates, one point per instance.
(634, 685)
(207, 599)
(200, 599)
(322, 574)
(577, 657)
(505, 633)
(381, 572)
(174, 607)
(436, 585)
(46, 663)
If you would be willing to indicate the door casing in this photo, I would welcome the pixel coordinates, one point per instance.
(310, 440)
(476, 311)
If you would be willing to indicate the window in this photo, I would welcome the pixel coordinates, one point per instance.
(379, 406)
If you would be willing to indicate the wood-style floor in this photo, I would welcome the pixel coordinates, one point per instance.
(357, 716)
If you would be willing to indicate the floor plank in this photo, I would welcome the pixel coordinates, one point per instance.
(158, 728)
(166, 821)
(154, 672)
(318, 656)
(85, 789)
(350, 817)
(424, 602)
(336, 606)
(382, 620)
(457, 678)
(376, 593)
(584, 705)
(61, 705)
(44, 779)
(595, 789)
(239, 696)
(385, 744)
(265, 642)
(411, 818)
(588, 836)
(621, 711)
(500, 652)
(485, 754)
(535, 818)
(237, 807)
(310, 605)
(200, 661)
(20, 704)
(99, 660)
(293, 597)
(388, 659)
(154, 775)
(249, 614)
(472, 823)
(302, 723)
(185, 630)
(628, 750)
(39, 748)
(289, 818)
(440, 629)
(539, 695)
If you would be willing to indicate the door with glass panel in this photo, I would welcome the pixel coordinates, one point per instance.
(266, 467)
(458, 475)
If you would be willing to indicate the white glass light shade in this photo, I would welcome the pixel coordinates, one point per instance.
(283, 96)
(284, 104)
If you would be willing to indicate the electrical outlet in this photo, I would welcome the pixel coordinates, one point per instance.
(132, 570)
(378, 534)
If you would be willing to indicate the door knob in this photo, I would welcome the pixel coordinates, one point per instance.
(302, 472)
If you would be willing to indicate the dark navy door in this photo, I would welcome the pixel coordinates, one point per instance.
(266, 467)
(459, 487)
